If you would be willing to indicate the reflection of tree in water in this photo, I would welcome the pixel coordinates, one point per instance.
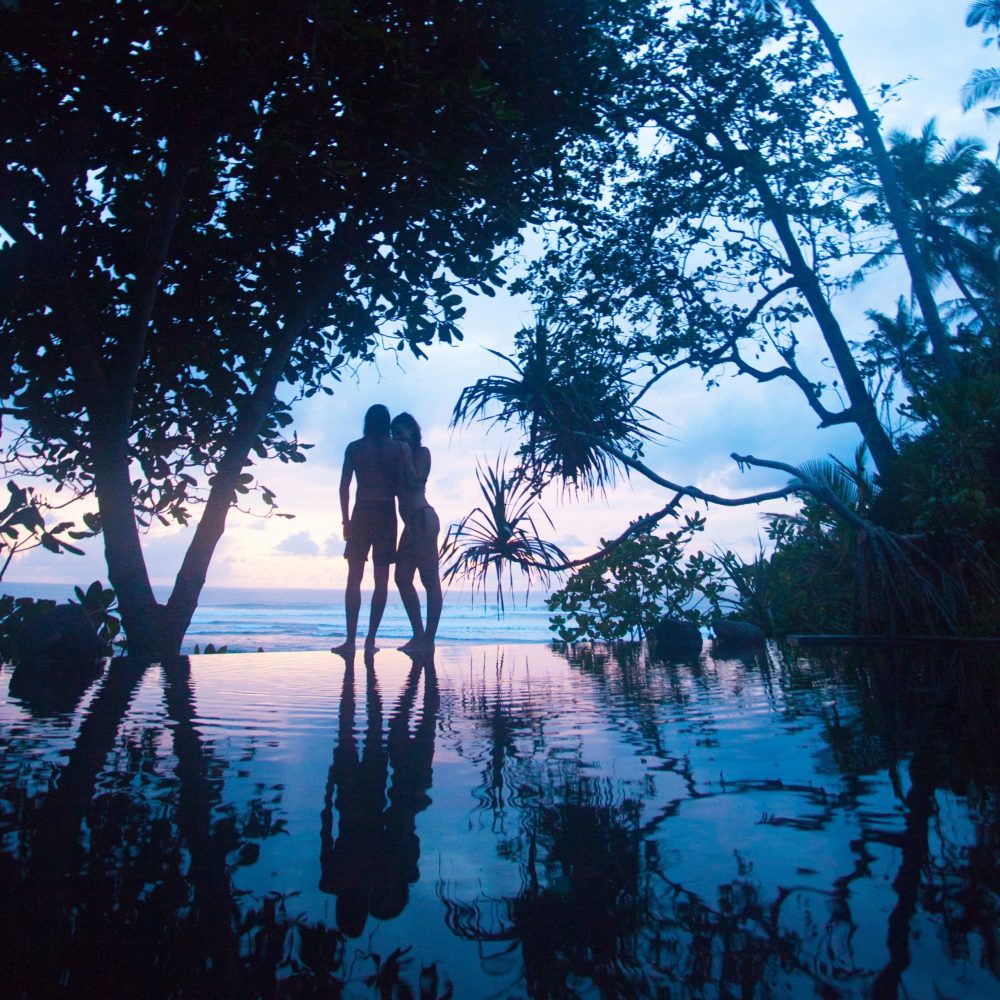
(123, 887)
(577, 843)
(373, 859)
(53, 689)
(509, 729)
(597, 909)
(935, 714)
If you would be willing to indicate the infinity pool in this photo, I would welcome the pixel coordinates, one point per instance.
(505, 822)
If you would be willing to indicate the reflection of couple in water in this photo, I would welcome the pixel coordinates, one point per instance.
(389, 462)
(374, 858)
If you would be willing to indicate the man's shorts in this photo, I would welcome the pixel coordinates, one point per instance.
(418, 545)
(372, 526)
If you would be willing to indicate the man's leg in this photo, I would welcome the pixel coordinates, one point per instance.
(352, 604)
(378, 604)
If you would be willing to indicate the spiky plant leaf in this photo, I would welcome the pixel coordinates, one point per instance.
(571, 397)
(499, 535)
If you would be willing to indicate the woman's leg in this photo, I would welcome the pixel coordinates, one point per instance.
(405, 570)
(431, 579)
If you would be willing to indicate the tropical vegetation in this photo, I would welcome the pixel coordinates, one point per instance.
(746, 191)
(214, 210)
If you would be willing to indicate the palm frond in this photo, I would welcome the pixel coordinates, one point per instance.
(763, 9)
(985, 13)
(571, 397)
(499, 535)
(853, 485)
(982, 85)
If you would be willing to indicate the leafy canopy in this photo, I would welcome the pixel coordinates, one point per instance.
(188, 181)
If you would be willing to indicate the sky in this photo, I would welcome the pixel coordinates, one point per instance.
(924, 42)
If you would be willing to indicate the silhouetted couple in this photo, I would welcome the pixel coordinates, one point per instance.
(390, 463)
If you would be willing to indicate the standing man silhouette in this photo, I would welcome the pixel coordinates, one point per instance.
(382, 469)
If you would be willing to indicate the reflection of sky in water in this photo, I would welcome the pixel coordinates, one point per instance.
(585, 823)
(280, 624)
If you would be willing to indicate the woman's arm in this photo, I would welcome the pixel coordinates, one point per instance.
(422, 465)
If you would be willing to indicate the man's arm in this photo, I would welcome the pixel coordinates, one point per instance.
(346, 475)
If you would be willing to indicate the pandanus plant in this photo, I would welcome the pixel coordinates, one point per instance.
(571, 396)
(500, 534)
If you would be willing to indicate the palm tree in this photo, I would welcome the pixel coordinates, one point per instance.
(571, 394)
(984, 84)
(500, 534)
(947, 192)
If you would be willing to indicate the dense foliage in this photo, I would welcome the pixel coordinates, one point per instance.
(748, 191)
(97, 600)
(23, 527)
(212, 209)
(625, 593)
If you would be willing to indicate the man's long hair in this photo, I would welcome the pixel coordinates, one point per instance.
(377, 421)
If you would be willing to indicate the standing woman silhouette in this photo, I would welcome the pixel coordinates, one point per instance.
(418, 546)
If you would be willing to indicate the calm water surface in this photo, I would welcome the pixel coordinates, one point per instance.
(505, 822)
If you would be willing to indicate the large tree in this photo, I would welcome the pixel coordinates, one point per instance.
(742, 195)
(732, 220)
(207, 202)
(891, 190)
(984, 84)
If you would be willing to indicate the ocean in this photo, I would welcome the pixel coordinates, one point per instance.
(247, 619)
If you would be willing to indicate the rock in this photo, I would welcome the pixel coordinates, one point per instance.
(674, 632)
(734, 631)
(60, 635)
(57, 654)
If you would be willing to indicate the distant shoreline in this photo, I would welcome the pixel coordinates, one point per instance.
(283, 619)
(162, 591)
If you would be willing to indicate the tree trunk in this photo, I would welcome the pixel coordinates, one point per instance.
(863, 410)
(141, 615)
(943, 353)
(191, 578)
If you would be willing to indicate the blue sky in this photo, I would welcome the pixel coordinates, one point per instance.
(888, 42)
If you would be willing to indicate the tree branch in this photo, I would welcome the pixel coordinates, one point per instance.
(693, 491)
(819, 487)
(790, 371)
(645, 523)
(719, 353)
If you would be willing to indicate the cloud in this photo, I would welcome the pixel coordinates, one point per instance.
(333, 546)
(299, 544)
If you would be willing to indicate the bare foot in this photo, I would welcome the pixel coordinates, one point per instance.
(346, 648)
(409, 644)
(370, 647)
(420, 647)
